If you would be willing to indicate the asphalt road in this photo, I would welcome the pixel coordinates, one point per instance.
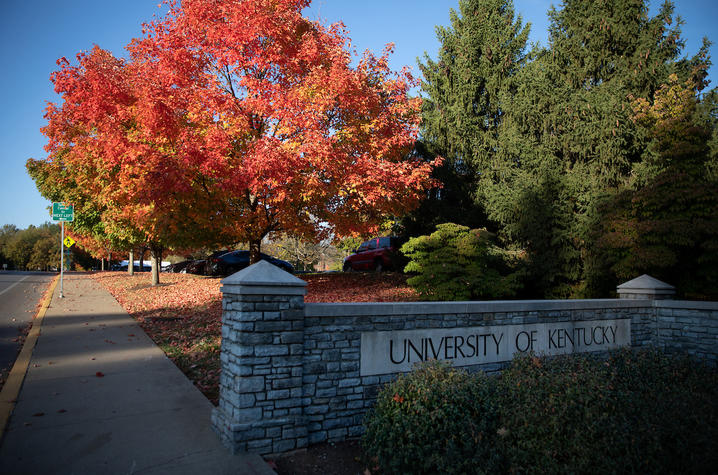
(20, 292)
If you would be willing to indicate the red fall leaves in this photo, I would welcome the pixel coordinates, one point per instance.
(230, 121)
(183, 315)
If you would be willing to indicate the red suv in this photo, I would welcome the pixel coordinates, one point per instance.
(375, 254)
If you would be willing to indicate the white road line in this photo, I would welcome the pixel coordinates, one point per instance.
(14, 284)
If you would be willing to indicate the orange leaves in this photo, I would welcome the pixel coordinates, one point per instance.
(388, 287)
(292, 82)
(235, 120)
(183, 315)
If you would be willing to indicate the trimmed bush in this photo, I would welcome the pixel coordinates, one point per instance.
(458, 263)
(633, 412)
(641, 412)
(433, 420)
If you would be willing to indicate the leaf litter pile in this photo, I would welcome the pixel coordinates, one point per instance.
(183, 314)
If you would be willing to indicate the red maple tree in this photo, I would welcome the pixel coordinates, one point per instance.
(232, 120)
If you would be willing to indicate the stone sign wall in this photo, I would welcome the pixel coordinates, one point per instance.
(398, 351)
(295, 374)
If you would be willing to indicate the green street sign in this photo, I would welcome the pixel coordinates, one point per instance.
(63, 212)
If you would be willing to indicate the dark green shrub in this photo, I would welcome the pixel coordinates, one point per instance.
(632, 412)
(433, 420)
(554, 414)
(668, 412)
(640, 412)
(458, 263)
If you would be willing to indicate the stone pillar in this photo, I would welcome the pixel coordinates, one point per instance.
(260, 391)
(646, 287)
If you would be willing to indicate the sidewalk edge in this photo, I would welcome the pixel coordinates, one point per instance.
(11, 389)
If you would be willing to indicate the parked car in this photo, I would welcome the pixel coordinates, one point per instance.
(234, 261)
(199, 266)
(194, 267)
(146, 267)
(178, 267)
(376, 254)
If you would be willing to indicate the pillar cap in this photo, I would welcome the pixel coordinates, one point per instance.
(263, 278)
(645, 287)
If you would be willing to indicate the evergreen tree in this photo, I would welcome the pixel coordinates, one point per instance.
(568, 135)
(666, 225)
(481, 52)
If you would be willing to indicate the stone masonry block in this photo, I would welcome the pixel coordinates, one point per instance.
(272, 326)
(287, 403)
(292, 337)
(286, 383)
(349, 383)
(277, 394)
(272, 315)
(317, 437)
(246, 338)
(271, 350)
(243, 306)
(246, 400)
(249, 316)
(337, 434)
(251, 384)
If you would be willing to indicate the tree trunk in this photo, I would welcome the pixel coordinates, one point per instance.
(102, 264)
(142, 259)
(131, 265)
(109, 260)
(254, 250)
(156, 259)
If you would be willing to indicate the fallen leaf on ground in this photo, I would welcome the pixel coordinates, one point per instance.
(100, 374)
(184, 315)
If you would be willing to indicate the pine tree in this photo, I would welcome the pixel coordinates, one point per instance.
(568, 135)
(666, 225)
(481, 52)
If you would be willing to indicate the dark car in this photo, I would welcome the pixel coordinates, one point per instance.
(194, 267)
(146, 267)
(234, 261)
(199, 266)
(178, 267)
(376, 254)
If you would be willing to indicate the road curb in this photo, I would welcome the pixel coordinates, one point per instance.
(11, 389)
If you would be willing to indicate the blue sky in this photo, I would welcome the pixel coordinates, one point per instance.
(33, 35)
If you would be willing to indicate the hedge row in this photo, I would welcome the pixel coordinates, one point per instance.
(639, 412)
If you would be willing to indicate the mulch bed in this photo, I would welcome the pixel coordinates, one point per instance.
(342, 458)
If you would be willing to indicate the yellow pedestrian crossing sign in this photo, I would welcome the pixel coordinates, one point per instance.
(69, 241)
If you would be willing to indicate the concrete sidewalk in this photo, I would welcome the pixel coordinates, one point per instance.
(100, 397)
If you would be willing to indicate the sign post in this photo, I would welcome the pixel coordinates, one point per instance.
(63, 212)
